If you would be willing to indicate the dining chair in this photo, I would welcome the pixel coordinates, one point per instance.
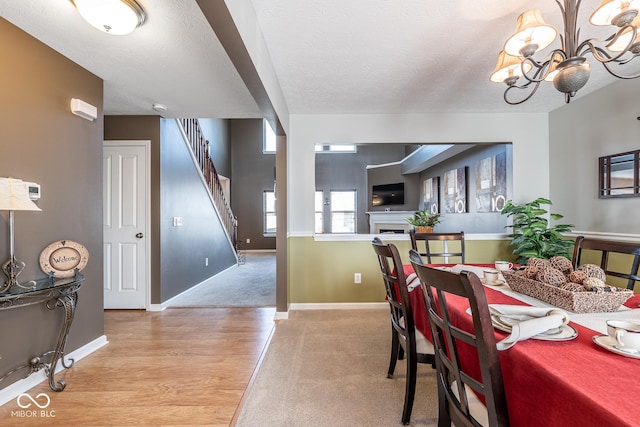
(607, 247)
(415, 257)
(439, 245)
(406, 340)
(459, 387)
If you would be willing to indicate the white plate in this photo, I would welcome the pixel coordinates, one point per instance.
(607, 342)
(63, 257)
(565, 332)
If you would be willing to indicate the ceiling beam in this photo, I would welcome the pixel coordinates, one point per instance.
(219, 17)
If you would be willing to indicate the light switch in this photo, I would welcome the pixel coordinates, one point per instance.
(177, 221)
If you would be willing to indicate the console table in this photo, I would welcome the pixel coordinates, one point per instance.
(53, 293)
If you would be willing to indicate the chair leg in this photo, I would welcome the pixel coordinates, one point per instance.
(395, 348)
(444, 417)
(410, 391)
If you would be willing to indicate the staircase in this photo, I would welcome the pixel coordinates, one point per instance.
(200, 150)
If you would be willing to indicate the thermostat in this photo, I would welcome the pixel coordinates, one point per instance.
(33, 189)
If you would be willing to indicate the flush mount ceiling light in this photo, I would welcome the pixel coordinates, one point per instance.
(118, 17)
(566, 66)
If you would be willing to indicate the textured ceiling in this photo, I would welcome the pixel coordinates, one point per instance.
(330, 56)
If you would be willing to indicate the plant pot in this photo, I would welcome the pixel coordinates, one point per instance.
(423, 229)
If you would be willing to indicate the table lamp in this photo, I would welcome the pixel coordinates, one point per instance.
(14, 196)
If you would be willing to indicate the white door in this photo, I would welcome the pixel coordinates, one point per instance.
(125, 192)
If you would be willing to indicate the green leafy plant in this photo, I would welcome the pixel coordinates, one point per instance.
(424, 218)
(532, 235)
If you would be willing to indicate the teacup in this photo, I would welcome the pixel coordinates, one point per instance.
(490, 275)
(626, 334)
(503, 265)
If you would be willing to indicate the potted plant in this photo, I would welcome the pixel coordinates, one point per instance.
(424, 221)
(532, 235)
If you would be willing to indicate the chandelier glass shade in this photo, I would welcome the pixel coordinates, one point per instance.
(566, 66)
(117, 17)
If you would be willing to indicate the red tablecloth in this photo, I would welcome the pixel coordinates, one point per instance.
(557, 383)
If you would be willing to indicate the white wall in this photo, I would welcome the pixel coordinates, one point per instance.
(244, 16)
(527, 132)
(601, 123)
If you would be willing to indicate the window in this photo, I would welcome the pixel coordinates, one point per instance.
(343, 211)
(269, 209)
(335, 148)
(268, 138)
(319, 228)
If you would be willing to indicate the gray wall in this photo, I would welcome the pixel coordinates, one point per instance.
(177, 253)
(390, 175)
(252, 173)
(471, 221)
(144, 128)
(602, 123)
(182, 194)
(348, 171)
(42, 141)
(216, 131)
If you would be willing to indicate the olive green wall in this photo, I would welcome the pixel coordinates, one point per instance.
(322, 271)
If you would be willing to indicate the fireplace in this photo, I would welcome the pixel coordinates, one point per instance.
(389, 222)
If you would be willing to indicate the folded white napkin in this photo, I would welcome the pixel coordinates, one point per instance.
(412, 281)
(526, 321)
(479, 271)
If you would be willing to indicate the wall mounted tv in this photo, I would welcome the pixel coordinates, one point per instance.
(387, 194)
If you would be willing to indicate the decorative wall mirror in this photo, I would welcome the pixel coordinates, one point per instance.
(618, 175)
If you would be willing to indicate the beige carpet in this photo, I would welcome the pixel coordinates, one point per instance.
(327, 368)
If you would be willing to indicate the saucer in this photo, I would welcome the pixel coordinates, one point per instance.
(607, 342)
(563, 333)
(498, 282)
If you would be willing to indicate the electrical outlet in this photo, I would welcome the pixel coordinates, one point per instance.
(357, 278)
(248, 240)
(206, 262)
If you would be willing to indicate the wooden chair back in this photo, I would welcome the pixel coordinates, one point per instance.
(606, 247)
(395, 284)
(455, 382)
(439, 245)
(403, 338)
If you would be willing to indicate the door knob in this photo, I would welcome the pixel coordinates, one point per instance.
(139, 235)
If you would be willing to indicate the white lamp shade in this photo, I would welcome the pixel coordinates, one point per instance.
(609, 9)
(619, 44)
(14, 196)
(508, 66)
(118, 17)
(531, 29)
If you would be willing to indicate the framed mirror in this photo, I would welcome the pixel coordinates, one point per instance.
(618, 175)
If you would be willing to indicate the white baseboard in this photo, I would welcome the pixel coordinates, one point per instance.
(16, 389)
(281, 315)
(338, 306)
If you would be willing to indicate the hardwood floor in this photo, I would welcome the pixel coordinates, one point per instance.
(178, 367)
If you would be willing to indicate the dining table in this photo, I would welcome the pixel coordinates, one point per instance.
(560, 383)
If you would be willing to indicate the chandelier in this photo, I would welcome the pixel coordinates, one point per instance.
(566, 66)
